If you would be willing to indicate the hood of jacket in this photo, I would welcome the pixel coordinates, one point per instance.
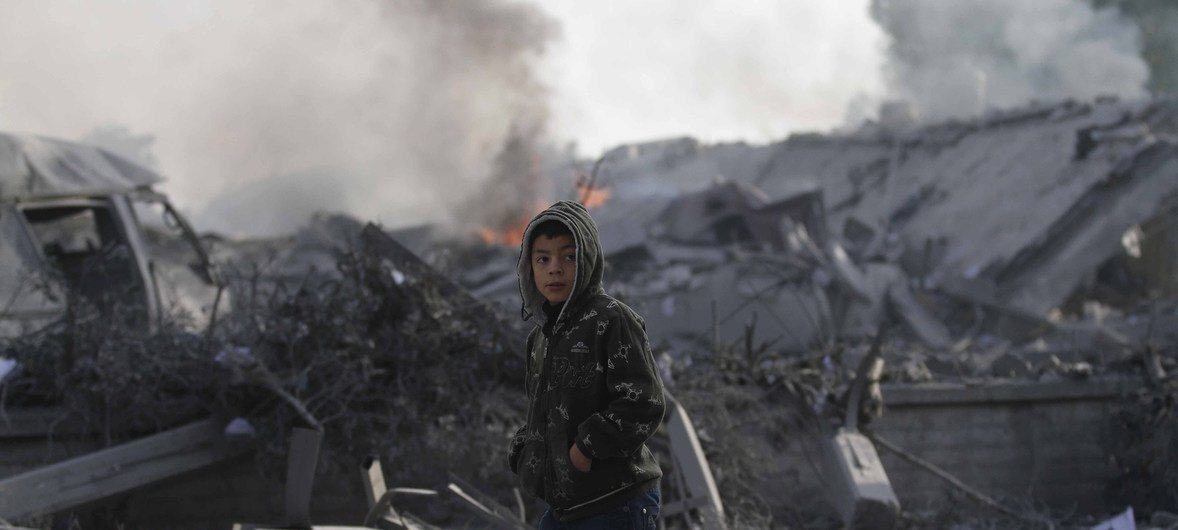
(590, 261)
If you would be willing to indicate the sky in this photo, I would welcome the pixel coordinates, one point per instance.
(409, 111)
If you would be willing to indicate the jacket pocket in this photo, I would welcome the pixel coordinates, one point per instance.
(603, 477)
(576, 474)
(530, 467)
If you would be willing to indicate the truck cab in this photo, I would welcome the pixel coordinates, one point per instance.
(82, 225)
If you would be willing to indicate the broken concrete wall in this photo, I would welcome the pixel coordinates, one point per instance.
(1025, 444)
(1018, 441)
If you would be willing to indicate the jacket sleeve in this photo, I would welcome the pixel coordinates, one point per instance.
(516, 442)
(635, 394)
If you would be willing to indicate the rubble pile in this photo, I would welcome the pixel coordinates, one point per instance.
(1037, 244)
(379, 352)
(1027, 242)
(1034, 244)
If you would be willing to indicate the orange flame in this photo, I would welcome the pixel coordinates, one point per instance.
(511, 234)
(592, 196)
(488, 235)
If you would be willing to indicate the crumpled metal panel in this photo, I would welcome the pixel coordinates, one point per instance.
(35, 166)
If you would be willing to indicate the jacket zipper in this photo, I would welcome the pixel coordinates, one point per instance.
(527, 376)
(544, 381)
(549, 468)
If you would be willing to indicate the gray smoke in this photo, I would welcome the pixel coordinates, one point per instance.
(957, 58)
(1158, 20)
(263, 112)
(117, 139)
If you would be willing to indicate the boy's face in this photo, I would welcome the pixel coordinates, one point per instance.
(554, 267)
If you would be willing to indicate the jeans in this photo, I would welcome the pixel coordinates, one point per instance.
(641, 513)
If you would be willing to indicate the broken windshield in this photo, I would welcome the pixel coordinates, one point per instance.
(25, 289)
(185, 277)
(82, 240)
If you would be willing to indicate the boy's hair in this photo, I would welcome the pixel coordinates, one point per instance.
(550, 228)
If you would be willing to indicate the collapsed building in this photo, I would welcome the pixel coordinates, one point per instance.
(1027, 259)
(1029, 256)
(1035, 219)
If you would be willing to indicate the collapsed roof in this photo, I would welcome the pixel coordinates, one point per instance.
(1022, 205)
(33, 166)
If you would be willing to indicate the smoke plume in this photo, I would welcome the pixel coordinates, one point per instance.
(957, 58)
(261, 112)
(1158, 20)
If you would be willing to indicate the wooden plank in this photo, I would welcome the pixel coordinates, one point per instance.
(113, 471)
(692, 466)
(301, 461)
(373, 480)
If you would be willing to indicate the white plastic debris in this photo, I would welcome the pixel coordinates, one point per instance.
(240, 427)
(1131, 241)
(398, 277)
(1122, 521)
(7, 367)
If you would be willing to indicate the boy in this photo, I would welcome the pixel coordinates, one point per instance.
(594, 393)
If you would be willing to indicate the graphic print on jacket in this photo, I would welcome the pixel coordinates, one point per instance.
(591, 381)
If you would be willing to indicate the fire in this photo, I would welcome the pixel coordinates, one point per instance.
(513, 236)
(592, 196)
(510, 236)
(510, 233)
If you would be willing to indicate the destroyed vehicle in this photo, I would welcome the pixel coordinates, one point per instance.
(82, 224)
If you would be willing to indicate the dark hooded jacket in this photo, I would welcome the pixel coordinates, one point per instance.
(591, 381)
